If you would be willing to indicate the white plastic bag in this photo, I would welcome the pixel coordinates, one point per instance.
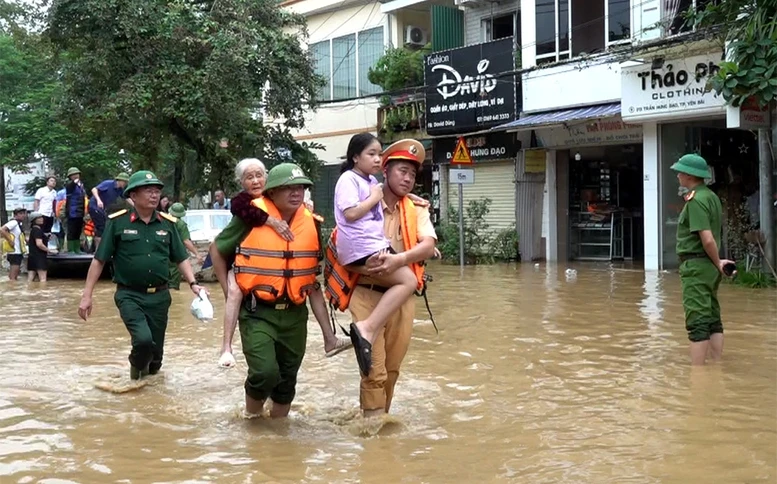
(202, 309)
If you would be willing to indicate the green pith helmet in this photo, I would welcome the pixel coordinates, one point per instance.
(693, 165)
(286, 174)
(141, 179)
(177, 210)
(122, 177)
(73, 171)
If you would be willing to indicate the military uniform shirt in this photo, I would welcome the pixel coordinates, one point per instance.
(702, 212)
(175, 274)
(141, 252)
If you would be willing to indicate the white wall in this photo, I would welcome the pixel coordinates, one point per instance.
(312, 7)
(566, 86)
(333, 124)
(344, 21)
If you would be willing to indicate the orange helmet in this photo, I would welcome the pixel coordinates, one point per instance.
(407, 150)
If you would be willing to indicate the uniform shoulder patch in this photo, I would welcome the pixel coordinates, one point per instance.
(689, 196)
(117, 214)
(168, 217)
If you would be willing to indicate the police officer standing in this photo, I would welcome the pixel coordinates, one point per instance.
(698, 239)
(141, 241)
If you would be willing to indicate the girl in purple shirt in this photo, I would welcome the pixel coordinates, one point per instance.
(360, 235)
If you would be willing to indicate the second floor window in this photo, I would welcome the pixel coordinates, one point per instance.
(502, 26)
(569, 28)
(345, 61)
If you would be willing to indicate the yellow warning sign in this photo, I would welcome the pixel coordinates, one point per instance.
(461, 154)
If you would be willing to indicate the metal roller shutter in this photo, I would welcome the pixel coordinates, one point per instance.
(495, 181)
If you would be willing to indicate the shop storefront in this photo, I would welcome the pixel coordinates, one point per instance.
(465, 99)
(593, 192)
(679, 115)
(493, 157)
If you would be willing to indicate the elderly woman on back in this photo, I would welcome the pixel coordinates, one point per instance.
(252, 175)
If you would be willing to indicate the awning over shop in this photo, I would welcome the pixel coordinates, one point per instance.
(554, 118)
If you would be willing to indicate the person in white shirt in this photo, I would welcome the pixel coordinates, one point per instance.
(13, 242)
(45, 199)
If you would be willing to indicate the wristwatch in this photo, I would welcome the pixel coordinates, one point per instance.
(192, 284)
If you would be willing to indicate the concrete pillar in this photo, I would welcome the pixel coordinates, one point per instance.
(766, 186)
(551, 207)
(651, 216)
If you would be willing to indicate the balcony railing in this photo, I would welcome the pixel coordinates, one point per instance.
(403, 115)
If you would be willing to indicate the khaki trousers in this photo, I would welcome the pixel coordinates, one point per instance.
(377, 389)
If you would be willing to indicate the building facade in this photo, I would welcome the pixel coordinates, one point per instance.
(572, 111)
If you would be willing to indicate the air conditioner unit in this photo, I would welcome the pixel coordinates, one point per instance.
(416, 36)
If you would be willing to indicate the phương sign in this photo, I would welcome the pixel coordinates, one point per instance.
(467, 88)
(484, 147)
(677, 88)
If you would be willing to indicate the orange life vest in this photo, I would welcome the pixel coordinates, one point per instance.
(270, 267)
(60, 213)
(340, 282)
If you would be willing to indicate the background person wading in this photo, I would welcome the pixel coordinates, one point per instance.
(14, 243)
(698, 240)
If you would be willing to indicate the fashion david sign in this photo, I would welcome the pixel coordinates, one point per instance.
(467, 88)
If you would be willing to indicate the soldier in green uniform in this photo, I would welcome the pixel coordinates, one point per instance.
(698, 240)
(141, 242)
(178, 211)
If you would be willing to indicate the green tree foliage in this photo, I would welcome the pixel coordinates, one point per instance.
(30, 130)
(399, 69)
(750, 29)
(182, 85)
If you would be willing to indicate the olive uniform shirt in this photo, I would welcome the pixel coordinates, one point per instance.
(702, 211)
(141, 252)
(175, 274)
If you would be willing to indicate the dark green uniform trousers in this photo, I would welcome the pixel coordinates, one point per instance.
(274, 345)
(145, 316)
(699, 279)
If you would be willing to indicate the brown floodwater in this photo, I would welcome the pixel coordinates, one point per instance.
(536, 376)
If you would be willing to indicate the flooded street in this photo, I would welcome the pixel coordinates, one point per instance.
(535, 377)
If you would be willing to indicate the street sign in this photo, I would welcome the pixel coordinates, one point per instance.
(464, 177)
(461, 154)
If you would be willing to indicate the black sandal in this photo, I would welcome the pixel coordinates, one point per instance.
(363, 350)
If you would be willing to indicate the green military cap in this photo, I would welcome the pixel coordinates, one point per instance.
(286, 174)
(693, 165)
(177, 210)
(73, 171)
(122, 177)
(141, 179)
